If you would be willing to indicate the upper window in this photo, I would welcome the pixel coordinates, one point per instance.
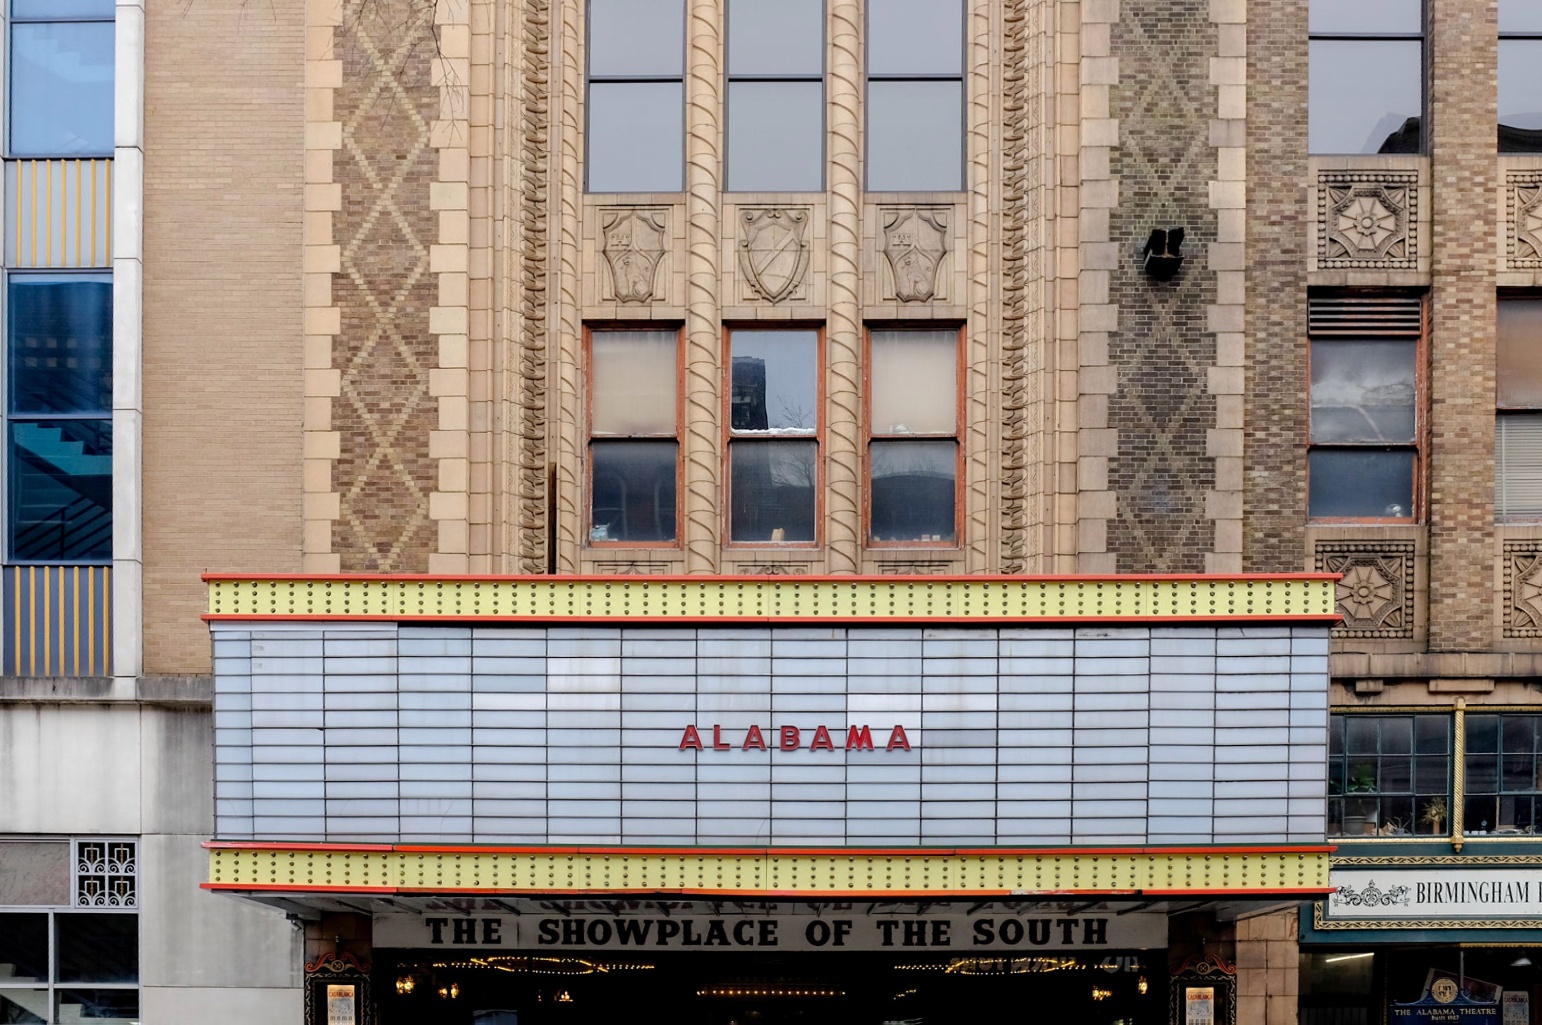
(773, 436)
(58, 417)
(913, 452)
(1388, 775)
(636, 114)
(1502, 762)
(634, 436)
(61, 71)
(1520, 76)
(1364, 457)
(915, 95)
(1518, 421)
(1366, 76)
(776, 95)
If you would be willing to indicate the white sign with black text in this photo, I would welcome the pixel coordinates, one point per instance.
(1435, 892)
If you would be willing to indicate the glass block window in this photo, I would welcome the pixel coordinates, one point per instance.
(106, 874)
(1389, 775)
(1503, 787)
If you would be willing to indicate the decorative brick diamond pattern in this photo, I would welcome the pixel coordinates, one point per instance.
(384, 412)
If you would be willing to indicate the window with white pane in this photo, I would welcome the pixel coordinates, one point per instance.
(773, 436)
(634, 436)
(1365, 76)
(1363, 463)
(1518, 419)
(776, 95)
(636, 96)
(915, 95)
(913, 452)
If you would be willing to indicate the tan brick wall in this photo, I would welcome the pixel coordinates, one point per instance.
(1268, 969)
(1464, 177)
(1274, 506)
(222, 353)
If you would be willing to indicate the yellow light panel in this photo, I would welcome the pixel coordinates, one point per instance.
(403, 869)
(722, 599)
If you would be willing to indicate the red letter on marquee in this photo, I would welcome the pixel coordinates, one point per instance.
(791, 738)
(718, 743)
(753, 740)
(691, 739)
(859, 738)
(822, 741)
(897, 738)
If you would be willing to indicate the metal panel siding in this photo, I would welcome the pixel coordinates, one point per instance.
(57, 620)
(582, 744)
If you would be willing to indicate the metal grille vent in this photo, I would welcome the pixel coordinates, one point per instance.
(1364, 315)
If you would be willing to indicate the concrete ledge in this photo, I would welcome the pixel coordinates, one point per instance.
(156, 690)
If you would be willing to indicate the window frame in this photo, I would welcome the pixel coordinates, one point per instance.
(818, 437)
(868, 78)
(590, 78)
(7, 61)
(1522, 35)
(678, 437)
(1418, 445)
(869, 436)
(1500, 791)
(1502, 411)
(8, 417)
(822, 78)
(1421, 38)
(1345, 759)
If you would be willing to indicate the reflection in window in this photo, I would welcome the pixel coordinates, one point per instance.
(1363, 462)
(915, 95)
(1518, 426)
(1388, 775)
(775, 95)
(634, 451)
(1520, 76)
(61, 81)
(1366, 62)
(1503, 790)
(58, 418)
(636, 108)
(87, 970)
(913, 454)
(773, 422)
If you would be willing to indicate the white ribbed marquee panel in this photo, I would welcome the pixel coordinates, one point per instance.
(1017, 736)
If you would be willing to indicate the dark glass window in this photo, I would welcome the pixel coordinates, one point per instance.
(913, 450)
(636, 115)
(1503, 791)
(634, 448)
(61, 75)
(58, 430)
(773, 425)
(95, 955)
(1363, 463)
(1389, 775)
(776, 95)
(915, 95)
(1366, 76)
(1520, 76)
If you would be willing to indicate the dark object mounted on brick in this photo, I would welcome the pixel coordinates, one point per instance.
(1162, 253)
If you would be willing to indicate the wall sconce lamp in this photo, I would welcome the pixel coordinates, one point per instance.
(1162, 256)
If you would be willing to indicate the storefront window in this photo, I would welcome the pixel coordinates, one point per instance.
(1503, 791)
(1388, 775)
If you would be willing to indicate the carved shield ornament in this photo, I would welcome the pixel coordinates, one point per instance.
(633, 246)
(773, 253)
(914, 242)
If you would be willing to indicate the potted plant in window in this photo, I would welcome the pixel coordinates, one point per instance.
(1435, 815)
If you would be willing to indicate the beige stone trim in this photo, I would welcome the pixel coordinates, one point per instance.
(1228, 260)
(982, 357)
(1084, 434)
(482, 233)
(449, 321)
(564, 344)
(702, 449)
(322, 257)
(843, 341)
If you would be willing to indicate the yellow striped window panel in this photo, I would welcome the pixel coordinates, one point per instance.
(58, 213)
(56, 620)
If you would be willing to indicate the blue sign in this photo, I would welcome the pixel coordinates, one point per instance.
(1458, 1010)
